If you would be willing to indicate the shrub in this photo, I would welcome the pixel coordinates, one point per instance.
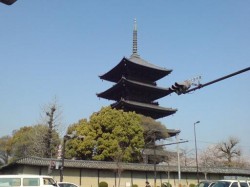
(135, 185)
(192, 185)
(103, 184)
(166, 184)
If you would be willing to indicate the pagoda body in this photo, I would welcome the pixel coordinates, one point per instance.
(135, 87)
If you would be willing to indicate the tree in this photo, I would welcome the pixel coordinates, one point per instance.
(186, 158)
(20, 142)
(74, 147)
(30, 141)
(225, 153)
(4, 149)
(229, 150)
(39, 145)
(154, 131)
(210, 157)
(51, 117)
(109, 135)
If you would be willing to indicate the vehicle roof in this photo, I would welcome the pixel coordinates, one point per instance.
(229, 180)
(208, 181)
(67, 183)
(25, 175)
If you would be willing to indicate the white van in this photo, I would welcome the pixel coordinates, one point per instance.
(27, 180)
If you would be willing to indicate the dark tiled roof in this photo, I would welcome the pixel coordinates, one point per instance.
(154, 111)
(136, 65)
(130, 166)
(116, 91)
(142, 62)
(173, 132)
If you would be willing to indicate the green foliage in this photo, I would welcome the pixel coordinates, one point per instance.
(135, 185)
(110, 135)
(74, 147)
(103, 184)
(30, 141)
(114, 135)
(4, 149)
(166, 184)
(21, 142)
(153, 130)
(192, 185)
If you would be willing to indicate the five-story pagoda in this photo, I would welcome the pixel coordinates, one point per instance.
(135, 87)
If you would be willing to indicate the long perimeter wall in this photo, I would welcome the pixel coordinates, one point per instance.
(91, 173)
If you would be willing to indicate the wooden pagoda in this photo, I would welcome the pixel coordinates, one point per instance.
(135, 87)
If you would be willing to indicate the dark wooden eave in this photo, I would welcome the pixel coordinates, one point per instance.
(173, 132)
(8, 2)
(150, 110)
(121, 89)
(135, 68)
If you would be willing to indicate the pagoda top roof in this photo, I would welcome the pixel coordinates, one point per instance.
(150, 110)
(138, 60)
(137, 68)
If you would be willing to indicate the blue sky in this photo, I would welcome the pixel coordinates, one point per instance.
(58, 48)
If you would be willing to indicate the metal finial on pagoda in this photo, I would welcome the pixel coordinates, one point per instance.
(135, 49)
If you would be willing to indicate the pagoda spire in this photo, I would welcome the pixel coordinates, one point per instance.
(135, 54)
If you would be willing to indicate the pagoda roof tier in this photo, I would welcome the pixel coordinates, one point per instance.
(135, 68)
(153, 111)
(173, 132)
(125, 88)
